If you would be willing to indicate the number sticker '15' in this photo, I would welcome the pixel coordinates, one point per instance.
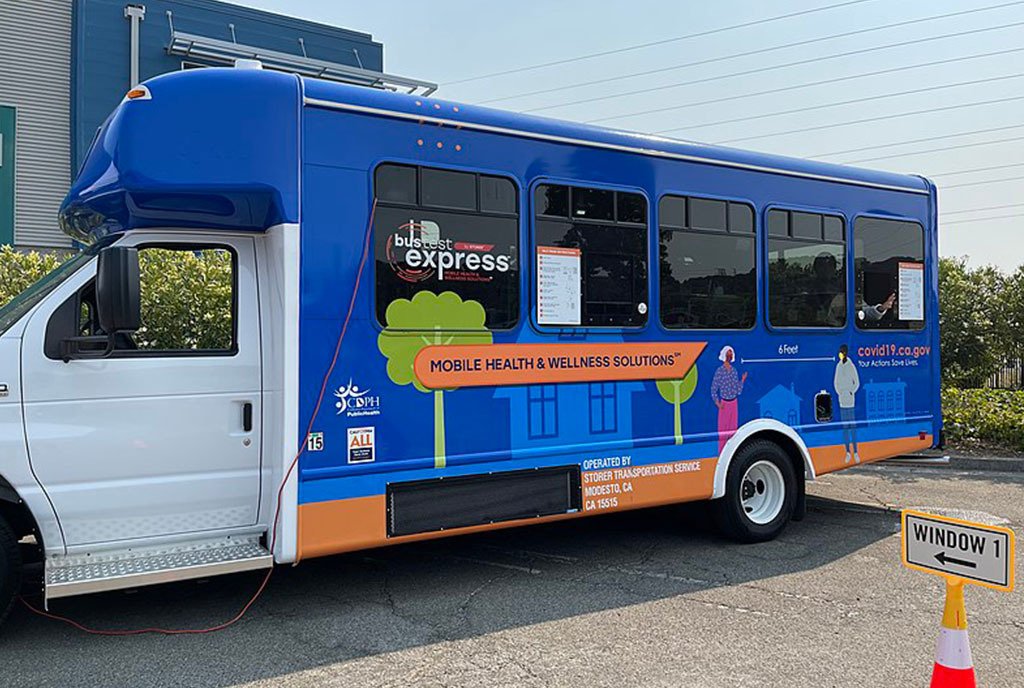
(315, 442)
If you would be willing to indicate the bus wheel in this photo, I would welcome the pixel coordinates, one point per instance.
(10, 569)
(760, 493)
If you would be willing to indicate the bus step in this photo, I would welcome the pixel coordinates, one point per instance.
(130, 568)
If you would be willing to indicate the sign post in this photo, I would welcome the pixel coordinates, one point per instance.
(961, 552)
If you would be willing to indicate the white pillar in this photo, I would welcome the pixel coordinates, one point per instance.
(134, 14)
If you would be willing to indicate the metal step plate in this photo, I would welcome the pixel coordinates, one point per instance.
(81, 574)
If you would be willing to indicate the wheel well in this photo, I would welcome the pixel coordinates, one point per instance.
(17, 514)
(787, 444)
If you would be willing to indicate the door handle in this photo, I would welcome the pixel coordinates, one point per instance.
(247, 416)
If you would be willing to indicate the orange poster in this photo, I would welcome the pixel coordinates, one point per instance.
(493, 365)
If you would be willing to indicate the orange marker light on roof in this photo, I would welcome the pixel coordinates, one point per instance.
(138, 93)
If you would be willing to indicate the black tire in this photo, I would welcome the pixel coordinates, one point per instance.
(10, 569)
(729, 511)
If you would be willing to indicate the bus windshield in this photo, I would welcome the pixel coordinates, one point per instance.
(21, 304)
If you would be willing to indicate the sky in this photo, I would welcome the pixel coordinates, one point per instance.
(954, 83)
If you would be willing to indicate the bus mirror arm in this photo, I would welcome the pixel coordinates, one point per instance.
(87, 347)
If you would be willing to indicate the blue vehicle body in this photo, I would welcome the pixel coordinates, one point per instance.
(238, 150)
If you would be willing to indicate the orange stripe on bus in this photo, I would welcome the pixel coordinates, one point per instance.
(347, 525)
(833, 458)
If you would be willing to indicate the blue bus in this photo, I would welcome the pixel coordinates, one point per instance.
(445, 318)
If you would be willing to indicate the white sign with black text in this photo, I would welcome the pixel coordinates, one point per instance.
(972, 551)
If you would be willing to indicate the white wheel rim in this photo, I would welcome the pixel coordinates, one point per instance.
(762, 492)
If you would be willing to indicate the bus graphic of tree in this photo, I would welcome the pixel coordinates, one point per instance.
(677, 392)
(429, 319)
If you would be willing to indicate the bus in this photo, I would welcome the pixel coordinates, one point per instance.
(400, 318)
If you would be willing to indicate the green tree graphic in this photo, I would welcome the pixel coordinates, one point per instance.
(677, 392)
(429, 319)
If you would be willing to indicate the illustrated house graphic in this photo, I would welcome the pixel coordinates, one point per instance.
(782, 404)
(571, 413)
(886, 400)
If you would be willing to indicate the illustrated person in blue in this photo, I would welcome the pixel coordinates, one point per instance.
(847, 382)
(726, 387)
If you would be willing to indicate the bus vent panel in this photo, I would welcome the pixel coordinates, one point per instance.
(426, 506)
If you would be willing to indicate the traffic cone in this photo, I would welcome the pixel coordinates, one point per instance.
(953, 665)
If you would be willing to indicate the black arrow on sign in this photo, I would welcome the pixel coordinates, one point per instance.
(941, 556)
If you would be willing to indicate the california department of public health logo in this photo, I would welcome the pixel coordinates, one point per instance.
(354, 401)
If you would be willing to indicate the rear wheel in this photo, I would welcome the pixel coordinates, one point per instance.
(10, 568)
(760, 493)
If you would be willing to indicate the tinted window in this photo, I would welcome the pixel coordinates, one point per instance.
(672, 211)
(425, 249)
(593, 204)
(741, 218)
(806, 273)
(447, 189)
(805, 225)
(631, 208)
(607, 256)
(396, 184)
(552, 200)
(833, 229)
(497, 195)
(707, 277)
(707, 214)
(707, 281)
(778, 223)
(889, 269)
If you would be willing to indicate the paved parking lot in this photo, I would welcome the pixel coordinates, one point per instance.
(650, 598)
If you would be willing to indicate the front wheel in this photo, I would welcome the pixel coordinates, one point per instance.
(760, 493)
(10, 569)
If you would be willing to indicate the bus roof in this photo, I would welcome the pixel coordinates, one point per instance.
(443, 112)
(220, 148)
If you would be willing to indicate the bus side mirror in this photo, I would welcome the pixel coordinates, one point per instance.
(118, 301)
(118, 304)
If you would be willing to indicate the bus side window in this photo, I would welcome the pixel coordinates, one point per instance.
(806, 269)
(445, 232)
(707, 264)
(888, 255)
(606, 231)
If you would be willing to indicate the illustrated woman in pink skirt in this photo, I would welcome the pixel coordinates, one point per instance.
(726, 388)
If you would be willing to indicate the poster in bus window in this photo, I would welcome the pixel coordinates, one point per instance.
(558, 286)
(911, 291)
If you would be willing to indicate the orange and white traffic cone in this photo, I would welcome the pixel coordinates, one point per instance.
(953, 665)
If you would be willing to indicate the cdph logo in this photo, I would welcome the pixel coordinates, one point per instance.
(355, 401)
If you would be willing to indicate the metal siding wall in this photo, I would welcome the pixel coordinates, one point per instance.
(35, 56)
(102, 37)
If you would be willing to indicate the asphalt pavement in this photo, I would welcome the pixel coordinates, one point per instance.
(650, 598)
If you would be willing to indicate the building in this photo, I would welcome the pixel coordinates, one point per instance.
(539, 414)
(782, 404)
(886, 400)
(65, 64)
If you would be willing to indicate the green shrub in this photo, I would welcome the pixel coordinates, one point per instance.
(186, 299)
(984, 416)
(972, 322)
(186, 295)
(19, 270)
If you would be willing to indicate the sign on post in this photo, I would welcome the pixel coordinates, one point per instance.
(972, 552)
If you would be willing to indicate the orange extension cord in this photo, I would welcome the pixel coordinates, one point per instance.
(280, 490)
